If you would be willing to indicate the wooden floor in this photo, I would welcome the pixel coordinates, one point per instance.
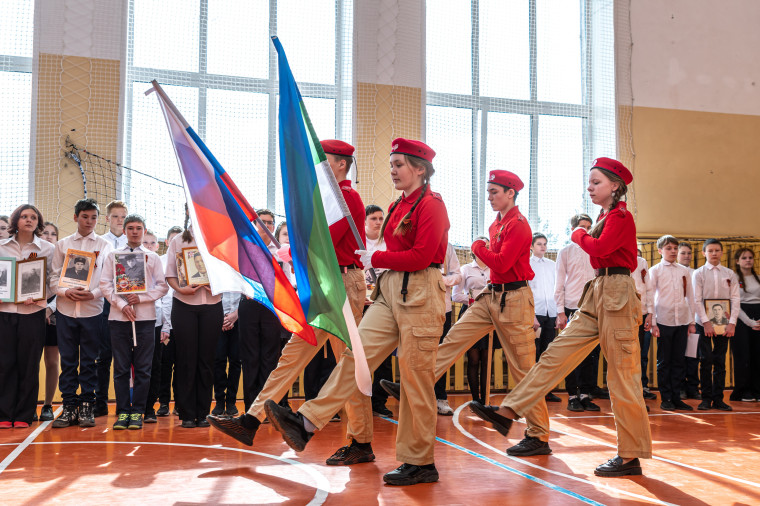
(702, 457)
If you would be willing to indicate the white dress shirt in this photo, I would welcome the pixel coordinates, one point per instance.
(115, 242)
(474, 279)
(573, 272)
(372, 246)
(671, 296)
(542, 284)
(641, 279)
(451, 274)
(164, 304)
(716, 282)
(749, 296)
(155, 283)
(11, 248)
(90, 243)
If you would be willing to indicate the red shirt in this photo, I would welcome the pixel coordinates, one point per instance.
(341, 234)
(424, 244)
(509, 254)
(616, 246)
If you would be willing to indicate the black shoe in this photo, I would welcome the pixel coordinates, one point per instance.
(574, 404)
(163, 410)
(202, 423)
(354, 453)
(34, 418)
(69, 417)
(135, 421)
(615, 467)
(242, 428)
(704, 405)
(599, 393)
(529, 446)
(122, 421)
(683, 395)
(735, 396)
(231, 410)
(382, 411)
(289, 424)
(667, 406)
(693, 396)
(682, 406)
(393, 389)
(188, 424)
(46, 414)
(100, 410)
(407, 474)
(150, 417)
(86, 415)
(721, 406)
(588, 405)
(218, 409)
(500, 423)
(550, 397)
(650, 396)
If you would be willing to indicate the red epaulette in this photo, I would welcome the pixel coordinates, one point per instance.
(436, 196)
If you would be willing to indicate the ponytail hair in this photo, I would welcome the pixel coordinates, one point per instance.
(617, 196)
(405, 225)
(187, 236)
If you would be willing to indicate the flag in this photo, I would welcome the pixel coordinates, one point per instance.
(236, 257)
(311, 208)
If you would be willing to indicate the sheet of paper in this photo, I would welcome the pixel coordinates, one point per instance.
(691, 345)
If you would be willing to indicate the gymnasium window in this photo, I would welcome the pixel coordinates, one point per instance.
(216, 62)
(16, 41)
(526, 86)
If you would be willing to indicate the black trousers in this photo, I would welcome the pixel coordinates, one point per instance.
(168, 382)
(127, 356)
(583, 378)
(745, 348)
(105, 356)
(317, 371)
(196, 331)
(22, 338)
(712, 365)
(548, 333)
(260, 346)
(155, 372)
(226, 381)
(671, 360)
(645, 340)
(78, 344)
(440, 385)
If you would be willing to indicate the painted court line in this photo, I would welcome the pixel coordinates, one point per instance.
(461, 429)
(651, 415)
(26, 442)
(530, 477)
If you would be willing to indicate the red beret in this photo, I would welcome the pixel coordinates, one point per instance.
(413, 148)
(506, 179)
(335, 147)
(615, 167)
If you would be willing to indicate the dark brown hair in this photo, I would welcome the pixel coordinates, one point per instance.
(738, 269)
(405, 225)
(187, 236)
(16, 215)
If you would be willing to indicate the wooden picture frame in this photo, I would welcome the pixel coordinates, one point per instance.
(130, 272)
(181, 274)
(71, 277)
(7, 279)
(31, 279)
(195, 269)
(718, 312)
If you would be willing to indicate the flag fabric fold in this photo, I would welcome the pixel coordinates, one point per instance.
(311, 206)
(236, 258)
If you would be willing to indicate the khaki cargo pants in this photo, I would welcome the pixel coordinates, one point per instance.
(413, 325)
(514, 326)
(610, 313)
(297, 354)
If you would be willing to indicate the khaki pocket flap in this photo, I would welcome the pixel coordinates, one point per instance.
(427, 331)
(625, 335)
(441, 285)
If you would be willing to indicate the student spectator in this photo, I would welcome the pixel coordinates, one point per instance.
(132, 323)
(116, 212)
(167, 382)
(713, 281)
(150, 243)
(451, 277)
(745, 345)
(226, 380)
(51, 354)
(79, 320)
(690, 383)
(4, 225)
(671, 318)
(641, 278)
(196, 318)
(542, 286)
(22, 326)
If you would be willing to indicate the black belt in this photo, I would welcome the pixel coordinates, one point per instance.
(506, 287)
(405, 281)
(609, 271)
(345, 268)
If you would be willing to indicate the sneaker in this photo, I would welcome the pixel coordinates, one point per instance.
(748, 398)
(175, 412)
(721, 406)
(682, 406)
(135, 421)
(202, 423)
(218, 409)
(408, 474)
(574, 404)
(289, 424)
(46, 414)
(393, 389)
(69, 417)
(231, 410)
(355, 453)
(650, 396)
(122, 422)
(163, 410)
(444, 408)
(550, 397)
(599, 393)
(667, 406)
(86, 415)
(100, 410)
(704, 405)
(188, 424)
(150, 417)
(6, 425)
(588, 405)
(529, 446)
(382, 411)
(242, 428)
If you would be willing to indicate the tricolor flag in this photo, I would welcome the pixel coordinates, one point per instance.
(236, 257)
(311, 206)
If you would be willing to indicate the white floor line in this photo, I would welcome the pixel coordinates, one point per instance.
(26, 442)
(526, 462)
(651, 415)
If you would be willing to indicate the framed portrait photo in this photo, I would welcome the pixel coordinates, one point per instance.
(181, 274)
(195, 269)
(77, 269)
(129, 272)
(31, 279)
(718, 312)
(7, 279)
